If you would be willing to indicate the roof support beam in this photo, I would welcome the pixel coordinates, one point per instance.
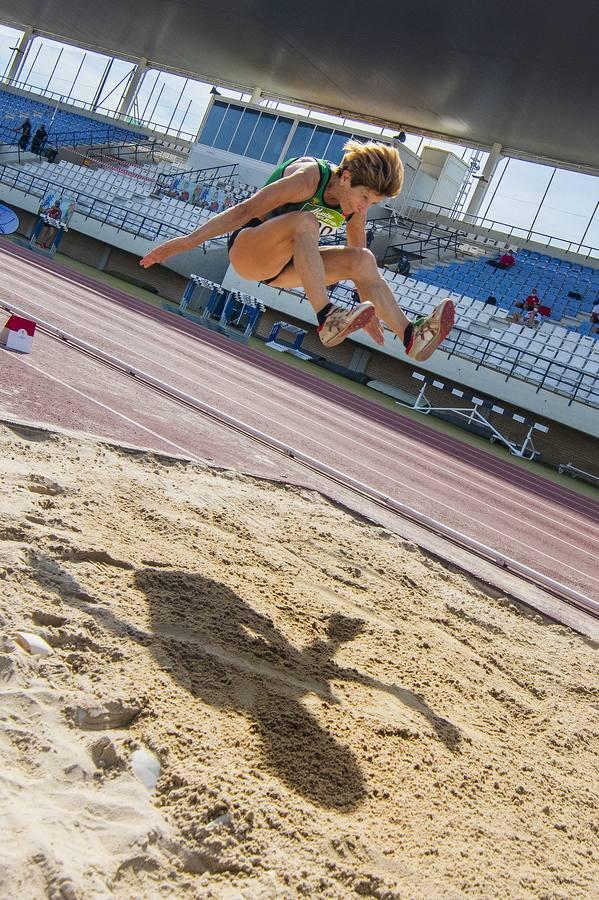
(130, 93)
(484, 181)
(19, 54)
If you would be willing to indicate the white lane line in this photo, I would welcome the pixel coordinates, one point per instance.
(493, 488)
(535, 550)
(111, 409)
(416, 457)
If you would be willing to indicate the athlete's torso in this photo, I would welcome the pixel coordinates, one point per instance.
(330, 218)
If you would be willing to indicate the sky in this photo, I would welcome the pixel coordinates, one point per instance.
(569, 211)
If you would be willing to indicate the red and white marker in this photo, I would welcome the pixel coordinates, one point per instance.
(17, 334)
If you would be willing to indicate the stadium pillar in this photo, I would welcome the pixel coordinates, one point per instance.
(256, 95)
(127, 101)
(483, 182)
(20, 54)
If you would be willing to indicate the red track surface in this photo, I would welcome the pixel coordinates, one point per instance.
(514, 510)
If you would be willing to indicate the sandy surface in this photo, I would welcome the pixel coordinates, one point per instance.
(335, 713)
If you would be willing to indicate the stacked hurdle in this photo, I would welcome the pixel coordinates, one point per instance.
(473, 414)
(233, 309)
(195, 281)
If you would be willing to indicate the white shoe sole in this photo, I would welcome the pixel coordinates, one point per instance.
(446, 312)
(362, 318)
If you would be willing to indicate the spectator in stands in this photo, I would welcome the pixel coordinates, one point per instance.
(533, 317)
(491, 300)
(39, 140)
(48, 232)
(274, 238)
(25, 129)
(595, 314)
(532, 301)
(505, 261)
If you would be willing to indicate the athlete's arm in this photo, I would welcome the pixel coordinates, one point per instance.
(355, 230)
(298, 185)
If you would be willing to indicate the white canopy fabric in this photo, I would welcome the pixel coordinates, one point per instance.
(470, 70)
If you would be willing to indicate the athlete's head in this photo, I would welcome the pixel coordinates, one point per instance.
(372, 171)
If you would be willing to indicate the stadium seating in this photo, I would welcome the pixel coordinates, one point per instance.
(554, 279)
(551, 356)
(124, 197)
(14, 108)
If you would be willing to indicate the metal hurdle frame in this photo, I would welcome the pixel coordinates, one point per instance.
(526, 450)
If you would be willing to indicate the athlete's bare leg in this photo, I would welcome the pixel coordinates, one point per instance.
(260, 253)
(357, 265)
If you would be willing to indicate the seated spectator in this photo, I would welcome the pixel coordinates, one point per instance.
(516, 315)
(533, 318)
(505, 261)
(491, 300)
(532, 300)
(595, 314)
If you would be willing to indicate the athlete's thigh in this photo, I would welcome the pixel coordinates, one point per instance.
(338, 263)
(262, 251)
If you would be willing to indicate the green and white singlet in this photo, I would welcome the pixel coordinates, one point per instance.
(331, 218)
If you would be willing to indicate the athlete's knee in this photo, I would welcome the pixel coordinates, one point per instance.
(305, 223)
(364, 263)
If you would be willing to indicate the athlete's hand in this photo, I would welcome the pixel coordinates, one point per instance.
(157, 255)
(374, 329)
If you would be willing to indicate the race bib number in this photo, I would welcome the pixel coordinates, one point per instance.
(330, 220)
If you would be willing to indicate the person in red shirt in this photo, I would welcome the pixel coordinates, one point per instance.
(505, 261)
(532, 300)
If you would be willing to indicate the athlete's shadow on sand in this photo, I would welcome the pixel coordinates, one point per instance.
(231, 656)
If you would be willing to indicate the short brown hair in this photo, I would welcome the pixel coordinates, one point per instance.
(373, 165)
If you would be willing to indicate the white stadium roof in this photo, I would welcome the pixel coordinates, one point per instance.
(524, 76)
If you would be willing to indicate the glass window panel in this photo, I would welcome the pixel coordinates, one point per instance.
(319, 141)
(244, 131)
(300, 140)
(260, 136)
(228, 127)
(334, 151)
(519, 193)
(277, 140)
(213, 123)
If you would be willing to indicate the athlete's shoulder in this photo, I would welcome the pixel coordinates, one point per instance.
(306, 164)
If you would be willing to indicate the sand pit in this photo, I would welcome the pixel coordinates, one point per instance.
(335, 713)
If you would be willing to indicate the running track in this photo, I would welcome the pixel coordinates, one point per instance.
(512, 509)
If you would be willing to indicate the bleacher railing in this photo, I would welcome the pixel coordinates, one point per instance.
(526, 234)
(74, 103)
(505, 359)
(406, 250)
(533, 368)
(134, 222)
(207, 176)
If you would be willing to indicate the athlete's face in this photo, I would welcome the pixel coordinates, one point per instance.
(356, 199)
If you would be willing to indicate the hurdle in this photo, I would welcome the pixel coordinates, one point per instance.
(196, 281)
(473, 415)
(234, 310)
(299, 335)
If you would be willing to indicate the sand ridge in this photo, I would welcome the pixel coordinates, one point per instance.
(335, 712)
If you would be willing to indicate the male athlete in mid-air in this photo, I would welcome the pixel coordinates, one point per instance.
(274, 238)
